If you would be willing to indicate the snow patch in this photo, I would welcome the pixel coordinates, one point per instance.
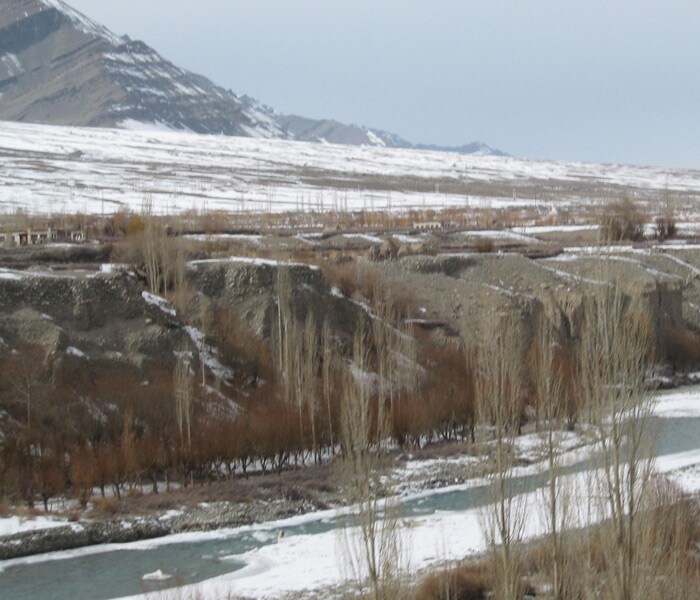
(156, 576)
(207, 354)
(14, 525)
(73, 351)
(11, 62)
(133, 125)
(160, 303)
(83, 23)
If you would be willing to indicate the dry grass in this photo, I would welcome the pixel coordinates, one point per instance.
(665, 228)
(103, 508)
(623, 220)
(464, 582)
(665, 551)
(366, 282)
(342, 275)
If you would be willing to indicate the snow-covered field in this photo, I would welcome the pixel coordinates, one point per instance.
(45, 169)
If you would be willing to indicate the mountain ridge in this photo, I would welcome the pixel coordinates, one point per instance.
(59, 67)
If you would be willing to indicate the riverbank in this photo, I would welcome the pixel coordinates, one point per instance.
(437, 527)
(261, 498)
(257, 499)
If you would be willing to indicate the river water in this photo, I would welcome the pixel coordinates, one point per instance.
(101, 573)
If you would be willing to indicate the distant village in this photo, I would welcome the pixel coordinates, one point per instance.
(29, 237)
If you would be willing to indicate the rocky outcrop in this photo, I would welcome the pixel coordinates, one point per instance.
(470, 293)
(250, 287)
(89, 320)
(204, 517)
(59, 67)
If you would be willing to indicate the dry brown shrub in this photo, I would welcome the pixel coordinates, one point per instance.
(484, 245)
(26, 512)
(105, 507)
(236, 340)
(623, 220)
(342, 275)
(682, 347)
(134, 492)
(672, 523)
(369, 284)
(464, 582)
(665, 228)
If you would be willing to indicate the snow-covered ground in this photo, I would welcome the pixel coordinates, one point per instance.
(47, 169)
(13, 525)
(308, 562)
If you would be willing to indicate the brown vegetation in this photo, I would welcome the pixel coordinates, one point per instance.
(682, 347)
(484, 245)
(623, 220)
(463, 582)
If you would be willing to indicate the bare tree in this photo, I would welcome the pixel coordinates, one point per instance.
(554, 494)
(326, 377)
(183, 385)
(499, 390)
(310, 362)
(616, 353)
(26, 372)
(396, 358)
(374, 553)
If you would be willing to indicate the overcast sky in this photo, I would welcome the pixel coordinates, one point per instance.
(600, 80)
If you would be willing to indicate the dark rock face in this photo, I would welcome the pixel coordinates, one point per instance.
(251, 290)
(100, 319)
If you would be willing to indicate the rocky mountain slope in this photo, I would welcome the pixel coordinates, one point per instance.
(59, 67)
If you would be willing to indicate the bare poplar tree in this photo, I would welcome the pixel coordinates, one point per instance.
(310, 362)
(396, 352)
(499, 405)
(373, 554)
(183, 384)
(326, 377)
(26, 372)
(554, 494)
(151, 248)
(616, 353)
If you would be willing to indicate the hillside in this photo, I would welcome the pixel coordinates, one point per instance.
(61, 169)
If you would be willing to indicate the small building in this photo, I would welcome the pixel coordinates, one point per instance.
(34, 238)
(427, 225)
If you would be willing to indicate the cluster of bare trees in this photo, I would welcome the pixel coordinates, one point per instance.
(619, 560)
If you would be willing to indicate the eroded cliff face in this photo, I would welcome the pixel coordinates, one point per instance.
(89, 322)
(471, 294)
(252, 288)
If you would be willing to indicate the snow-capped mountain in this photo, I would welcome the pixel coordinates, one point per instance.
(59, 67)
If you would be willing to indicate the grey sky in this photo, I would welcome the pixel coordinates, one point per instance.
(601, 80)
